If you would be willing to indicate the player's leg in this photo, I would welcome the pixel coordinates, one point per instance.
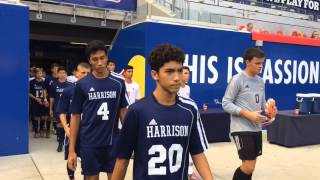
(42, 122)
(108, 160)
(48, 122)
(36, 126)
(66, 154)
(90, 162)
(249, 147)
(60, 135)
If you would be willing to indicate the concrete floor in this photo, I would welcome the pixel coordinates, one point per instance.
(276, 163)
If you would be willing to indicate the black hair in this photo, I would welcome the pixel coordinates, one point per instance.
(128, 67)
(186, 67)
(163, 54)
(94, 46)
(111, 61)
(249, 54)
(61, 68)
(54, 65)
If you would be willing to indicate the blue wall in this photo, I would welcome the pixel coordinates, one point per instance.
(215, 55)
(14, 66)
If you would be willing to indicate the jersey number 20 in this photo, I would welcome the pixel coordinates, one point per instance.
(174, 164)
(103, 111)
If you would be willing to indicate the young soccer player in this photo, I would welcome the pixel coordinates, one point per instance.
(244, 100)
(100, 98)
(38, 95)
(162, 129)
(56, 90)
(63, 109)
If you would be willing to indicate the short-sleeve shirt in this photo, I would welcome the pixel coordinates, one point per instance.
(162, 138)
(65, 102)
(57, 89)
(37, 89)
(99, 100)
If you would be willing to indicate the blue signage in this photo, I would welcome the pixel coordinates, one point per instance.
(125, 5)
(214, 56)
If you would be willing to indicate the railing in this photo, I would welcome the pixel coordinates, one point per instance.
(272, 21)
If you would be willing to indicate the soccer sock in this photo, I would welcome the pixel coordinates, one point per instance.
(36, 126)
(48, 125)
(239, 175)
(60, 135)
(70, 173)
(42, 124)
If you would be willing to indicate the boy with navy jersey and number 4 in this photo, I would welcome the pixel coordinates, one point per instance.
(100, 98)
(162, 129)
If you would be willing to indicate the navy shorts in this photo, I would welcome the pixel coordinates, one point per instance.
(37, 110)
(97, 159)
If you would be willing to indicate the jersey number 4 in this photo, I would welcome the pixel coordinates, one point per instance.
(103, 111)
(174, 164)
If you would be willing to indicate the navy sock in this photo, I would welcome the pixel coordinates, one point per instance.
(239, 175)
(70, 173)
(60, 135)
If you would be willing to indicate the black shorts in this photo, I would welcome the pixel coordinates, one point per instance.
(37, 110)
(249, 144)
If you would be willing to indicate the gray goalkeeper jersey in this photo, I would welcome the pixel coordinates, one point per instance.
(247, 93)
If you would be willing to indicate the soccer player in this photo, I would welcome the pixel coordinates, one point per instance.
(244, 100)
(57, 88)
(163, 128)
(63, 108)
(184, 90)
(49, 81)
(100, 98)
(132, 87)
(38, 95)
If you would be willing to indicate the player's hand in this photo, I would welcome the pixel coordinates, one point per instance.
(67, 130)
(255, 116)
(46, 103)
(39, 101)
(72, 161)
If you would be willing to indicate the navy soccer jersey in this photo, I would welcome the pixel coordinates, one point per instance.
(65, 102)
(162, 138)
(57, 89)
(37, 88)
(99, 101)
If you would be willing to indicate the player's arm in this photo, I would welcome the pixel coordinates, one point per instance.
(228, 105)
(201, 163)
(198, 144)
(122, 114)
(120, 169)
(38, 100)
(74, 130)
(126, 144)
(124, 102)
(63, 120)
(137, 97)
